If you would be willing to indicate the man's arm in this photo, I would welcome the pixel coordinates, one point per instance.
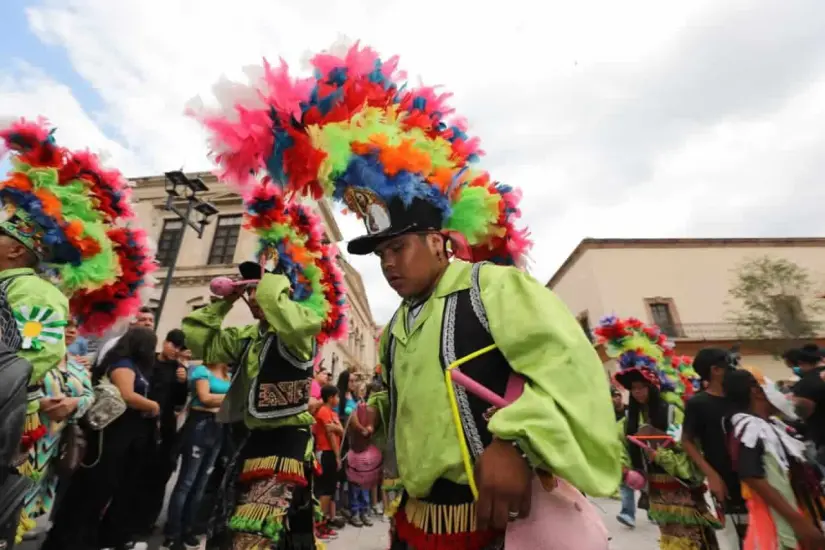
(41, 313)
(295, 324)
(564, 420)
(206, 338)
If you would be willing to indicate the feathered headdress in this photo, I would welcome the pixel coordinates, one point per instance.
(683, 378)
(396, 155)
(639, 350)
(291, 236)
(77, 218)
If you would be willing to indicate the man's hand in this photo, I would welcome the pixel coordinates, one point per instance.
(503, 478)
(180, 374)
(235, 295)
(718, 488)
(60, 408)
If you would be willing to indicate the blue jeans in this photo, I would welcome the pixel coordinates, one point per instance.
(202, 439)
(628, 501)
(359, 500)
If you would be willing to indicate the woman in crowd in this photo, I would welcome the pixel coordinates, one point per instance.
(202, 439)
(783, 495)
(675, 486)
(68, 395)
(114, 453)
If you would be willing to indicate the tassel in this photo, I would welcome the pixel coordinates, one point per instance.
(411, 523)
(284, 469)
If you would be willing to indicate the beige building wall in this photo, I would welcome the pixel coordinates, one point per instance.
(190, 283)
(615, 276)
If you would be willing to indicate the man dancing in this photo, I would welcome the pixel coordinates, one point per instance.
(296, 296)
(356, 132)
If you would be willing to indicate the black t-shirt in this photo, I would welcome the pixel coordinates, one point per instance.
(811, 386)
(167, 392)
(707, 422)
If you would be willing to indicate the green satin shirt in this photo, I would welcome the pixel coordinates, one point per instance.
(295, 325)
(563, 421)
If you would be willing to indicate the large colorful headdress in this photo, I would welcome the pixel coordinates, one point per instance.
(291, 238)
(639, 350)
(76, 217)
(396, 155)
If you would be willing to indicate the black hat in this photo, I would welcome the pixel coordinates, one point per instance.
(177, 338)
(251, 271)
(385, 221)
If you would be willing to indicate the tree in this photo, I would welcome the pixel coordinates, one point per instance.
(777, 299)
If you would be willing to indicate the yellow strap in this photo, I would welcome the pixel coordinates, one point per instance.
(465, 451)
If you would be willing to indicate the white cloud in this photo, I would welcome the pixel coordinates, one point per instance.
(636, 118)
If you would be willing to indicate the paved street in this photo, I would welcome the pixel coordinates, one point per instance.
(644, 537)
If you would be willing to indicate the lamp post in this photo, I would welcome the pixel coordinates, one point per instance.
(178, 187)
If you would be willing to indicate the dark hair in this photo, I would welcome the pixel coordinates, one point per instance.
(328, 392)
(738, 385)
(657, 414)
(343, 388)
(145, 309)
(809, 354)
(708, 358)
(137, 345)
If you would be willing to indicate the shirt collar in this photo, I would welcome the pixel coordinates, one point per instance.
(16, 272)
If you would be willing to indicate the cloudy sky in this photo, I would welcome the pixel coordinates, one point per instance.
(616, 119)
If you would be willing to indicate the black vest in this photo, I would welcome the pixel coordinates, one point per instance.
(464, 330)
(282, 385)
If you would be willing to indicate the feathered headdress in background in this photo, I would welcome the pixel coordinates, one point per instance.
(396, 155)
(639, 350)
(77, 218)
(291, 236)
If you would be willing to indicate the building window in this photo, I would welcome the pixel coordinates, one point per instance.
(169, 235)
(584, 323)
(662, 314)
(226, 239)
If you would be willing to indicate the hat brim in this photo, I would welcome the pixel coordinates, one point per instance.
(366, 244)
(626, 377)
(251, 271)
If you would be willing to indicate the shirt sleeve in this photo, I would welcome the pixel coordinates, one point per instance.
(40, 312)
(749, 461)
(199, 373)
(206, 338)
(564, 419)
(296, 325)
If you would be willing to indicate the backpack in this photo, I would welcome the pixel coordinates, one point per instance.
(14, 378)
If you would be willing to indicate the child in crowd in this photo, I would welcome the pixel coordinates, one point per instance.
(328, 433)
(363, 457)
(783, 500)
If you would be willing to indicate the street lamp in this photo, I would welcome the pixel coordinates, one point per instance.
(178, 187)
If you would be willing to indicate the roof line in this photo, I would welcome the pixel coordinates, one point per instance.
(589, 244)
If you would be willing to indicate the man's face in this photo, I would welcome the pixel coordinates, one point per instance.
(409, 263)
(170, 350)
(70, 333)
(617, 401)
(145, 319)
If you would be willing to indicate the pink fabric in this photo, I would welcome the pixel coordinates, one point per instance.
(560, 519)
(315, 390)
